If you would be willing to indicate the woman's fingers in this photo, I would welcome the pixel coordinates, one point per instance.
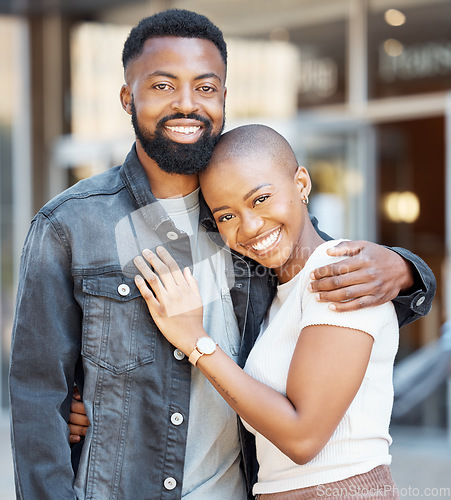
(152, 279)
(171, 264)
(164, 266)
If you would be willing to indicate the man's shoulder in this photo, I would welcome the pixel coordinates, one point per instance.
(105, 184)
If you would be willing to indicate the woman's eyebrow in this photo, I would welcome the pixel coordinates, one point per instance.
(224, 207)
(245, 197)
(252, 191)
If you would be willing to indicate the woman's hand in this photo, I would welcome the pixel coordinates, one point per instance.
(371, 276)
(175, 304)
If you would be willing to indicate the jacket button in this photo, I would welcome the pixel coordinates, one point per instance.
(420, 301)
(178, 355)
(123, 290)
(170, 483)
(172, 235)
(177, 418)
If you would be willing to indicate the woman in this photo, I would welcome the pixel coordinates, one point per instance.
(316, 390)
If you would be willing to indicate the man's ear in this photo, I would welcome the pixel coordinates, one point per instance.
(126, 98)
(303, 181)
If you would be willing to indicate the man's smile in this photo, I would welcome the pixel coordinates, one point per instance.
(183, 130)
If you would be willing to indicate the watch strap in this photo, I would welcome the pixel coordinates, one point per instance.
(194, 356)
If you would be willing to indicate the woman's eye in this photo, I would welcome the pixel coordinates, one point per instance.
(261, 199)
(225, 218)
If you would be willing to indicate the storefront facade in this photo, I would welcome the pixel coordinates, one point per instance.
(362, 90)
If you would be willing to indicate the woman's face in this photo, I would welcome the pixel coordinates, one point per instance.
(258, 207)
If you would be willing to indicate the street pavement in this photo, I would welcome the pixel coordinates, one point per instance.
(421, 464)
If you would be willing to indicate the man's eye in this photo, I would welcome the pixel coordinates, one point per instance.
(261, 199)
(207, 88)
(225, 218)
(161, 86)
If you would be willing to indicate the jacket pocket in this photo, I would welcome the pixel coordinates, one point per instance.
(118, 331)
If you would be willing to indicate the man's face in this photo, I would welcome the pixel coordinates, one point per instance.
(175, 93)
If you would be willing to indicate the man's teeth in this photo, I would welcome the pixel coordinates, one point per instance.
(184, 130)
(267, 242)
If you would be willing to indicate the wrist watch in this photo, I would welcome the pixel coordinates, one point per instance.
(204, 345)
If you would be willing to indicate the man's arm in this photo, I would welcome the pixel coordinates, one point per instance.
(44, 351)
(372, 275)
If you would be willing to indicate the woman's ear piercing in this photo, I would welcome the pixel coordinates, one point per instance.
(305, 200)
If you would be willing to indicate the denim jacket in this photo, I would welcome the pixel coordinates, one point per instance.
(81, 319)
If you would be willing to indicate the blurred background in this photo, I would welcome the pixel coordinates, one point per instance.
(360, 88)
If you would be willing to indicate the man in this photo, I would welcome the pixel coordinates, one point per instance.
(157, 429)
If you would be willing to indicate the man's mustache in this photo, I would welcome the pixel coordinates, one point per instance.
(189, 116)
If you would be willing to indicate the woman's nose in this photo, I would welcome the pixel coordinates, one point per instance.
(251, 224)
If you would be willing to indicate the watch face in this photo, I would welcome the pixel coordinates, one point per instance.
(206, 345)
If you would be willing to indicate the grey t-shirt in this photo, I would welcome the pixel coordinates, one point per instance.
(212, 462)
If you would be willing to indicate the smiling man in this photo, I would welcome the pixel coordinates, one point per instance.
(158, 429)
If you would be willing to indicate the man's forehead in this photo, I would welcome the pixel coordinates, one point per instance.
(181, 52)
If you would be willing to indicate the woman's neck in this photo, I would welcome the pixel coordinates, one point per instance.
(307, 244)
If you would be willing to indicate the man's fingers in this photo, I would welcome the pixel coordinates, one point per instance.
(335, 271)
(348, 248)
(343, 294)
(356, 304)
(77, 407)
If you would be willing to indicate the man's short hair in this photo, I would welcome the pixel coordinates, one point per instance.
(173, 22)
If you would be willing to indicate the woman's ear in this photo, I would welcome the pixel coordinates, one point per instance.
(303, 182)
(126, 99)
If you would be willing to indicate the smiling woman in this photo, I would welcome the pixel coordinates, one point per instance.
(311, 390)
(260, 211)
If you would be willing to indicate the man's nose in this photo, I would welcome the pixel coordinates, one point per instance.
(185, 101)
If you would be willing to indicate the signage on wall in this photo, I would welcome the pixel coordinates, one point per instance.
(422, 60)
(318, 77)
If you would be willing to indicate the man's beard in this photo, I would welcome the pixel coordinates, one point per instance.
(171, 156)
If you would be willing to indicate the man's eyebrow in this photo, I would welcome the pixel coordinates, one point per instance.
(208, 75)
(252, 191)
(161, 73)
(175, 77)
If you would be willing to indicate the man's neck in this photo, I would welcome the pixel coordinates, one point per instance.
(166, 185)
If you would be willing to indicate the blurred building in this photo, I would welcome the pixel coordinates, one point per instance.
(360, 88)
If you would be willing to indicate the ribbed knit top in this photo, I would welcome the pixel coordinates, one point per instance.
(362, 439)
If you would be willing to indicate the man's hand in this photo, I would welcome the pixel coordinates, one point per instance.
(372, 275)
(78, 421)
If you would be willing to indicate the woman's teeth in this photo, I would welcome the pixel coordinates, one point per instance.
(266, 242)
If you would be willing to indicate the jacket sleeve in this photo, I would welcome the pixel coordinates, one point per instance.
(45, 348)
(417, 301)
